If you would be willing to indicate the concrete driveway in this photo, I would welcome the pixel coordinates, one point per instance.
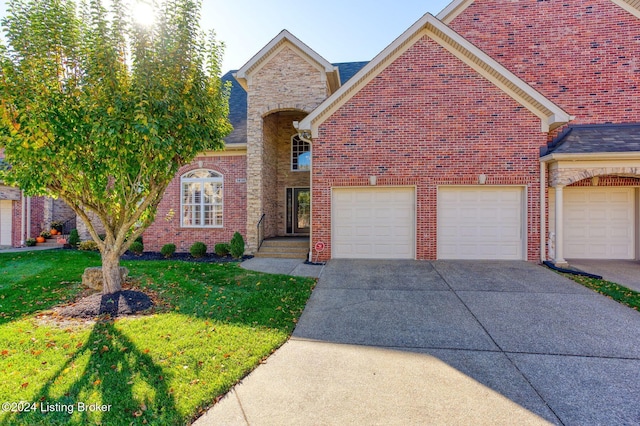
(447, 342)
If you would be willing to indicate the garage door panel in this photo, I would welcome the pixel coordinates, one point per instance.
(480, 223)
(5, 222)
(375, 222)
(599, 223)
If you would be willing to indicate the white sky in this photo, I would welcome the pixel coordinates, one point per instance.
(339, 30)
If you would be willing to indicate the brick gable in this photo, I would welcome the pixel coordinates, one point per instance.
(583, 55)
(427, 120)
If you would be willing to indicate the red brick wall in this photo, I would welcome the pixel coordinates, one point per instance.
(37, 220)
(166, 228)
(427, 120)
(583, 55)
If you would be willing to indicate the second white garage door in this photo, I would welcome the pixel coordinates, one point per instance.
(599, 223)
(373, 223)
(480, 223)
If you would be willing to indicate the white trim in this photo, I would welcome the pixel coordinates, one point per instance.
(219, 180)
(303, 140)
(631, 6)
(590, 156)
(454, 9)
(550, 114)
(275, 46)
(543, 212)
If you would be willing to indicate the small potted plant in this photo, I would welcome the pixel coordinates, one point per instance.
(30, 242)
(45, 234)
(57, 226)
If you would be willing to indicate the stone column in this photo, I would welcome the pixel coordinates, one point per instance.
(559, 255)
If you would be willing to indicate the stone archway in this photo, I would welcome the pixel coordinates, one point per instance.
(568, 176)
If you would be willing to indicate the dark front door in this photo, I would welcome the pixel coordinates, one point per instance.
(298, 210)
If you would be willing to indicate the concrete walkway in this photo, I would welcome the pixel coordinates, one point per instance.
(410, 342)
(295, 267)
(623, 272)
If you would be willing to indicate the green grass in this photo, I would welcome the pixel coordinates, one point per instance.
(615, 291)
(215, 323)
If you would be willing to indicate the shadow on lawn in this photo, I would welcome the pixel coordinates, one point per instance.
(114, 366)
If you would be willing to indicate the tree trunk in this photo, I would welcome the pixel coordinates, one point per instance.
(112, 280)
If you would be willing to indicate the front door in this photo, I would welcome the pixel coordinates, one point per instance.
(298, 210)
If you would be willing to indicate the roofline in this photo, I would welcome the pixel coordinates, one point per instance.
(590, 156)
(551, 115)
(456, 7)
(631, 6)
(254, 63)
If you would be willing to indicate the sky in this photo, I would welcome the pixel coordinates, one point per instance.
(339, 30)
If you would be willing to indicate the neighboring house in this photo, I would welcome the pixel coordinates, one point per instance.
(498, 130)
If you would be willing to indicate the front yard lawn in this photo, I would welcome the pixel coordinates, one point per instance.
(615, 291)
(213, 323)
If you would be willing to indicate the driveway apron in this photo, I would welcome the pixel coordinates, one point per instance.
(447, 342)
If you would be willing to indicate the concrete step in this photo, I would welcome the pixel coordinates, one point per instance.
(287, 248)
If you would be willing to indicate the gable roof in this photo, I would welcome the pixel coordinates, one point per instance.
(274, 46)
(456, 7)
(238, 100)
(550, 114)
(596, 138)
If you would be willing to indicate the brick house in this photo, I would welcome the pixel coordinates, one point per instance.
(496, 130)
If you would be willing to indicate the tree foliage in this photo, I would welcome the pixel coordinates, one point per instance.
(101, 112)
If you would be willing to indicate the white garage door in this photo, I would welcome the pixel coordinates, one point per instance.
(480, 223)
(599, 223)
(373, 223)
(5, 222)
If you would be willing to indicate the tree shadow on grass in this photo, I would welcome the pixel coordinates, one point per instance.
(114, 367)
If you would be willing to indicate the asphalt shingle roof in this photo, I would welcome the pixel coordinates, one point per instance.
(238, 100)
(596, 138)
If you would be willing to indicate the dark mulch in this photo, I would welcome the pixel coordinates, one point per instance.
(186, 257)
(122, 303)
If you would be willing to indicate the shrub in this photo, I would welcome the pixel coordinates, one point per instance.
(139, 239)
(237, 245)
(74, 238)
(45, 234)
(222, 249)
(88, 245)
(30, 242)
(136, 248)
(198, 249)
(167, 250)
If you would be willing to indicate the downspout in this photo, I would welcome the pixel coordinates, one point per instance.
(23, 225)
(543, 209)
(28, 217)
(305, 136)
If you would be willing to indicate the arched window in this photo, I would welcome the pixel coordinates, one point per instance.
(300, 154)
(201, 199)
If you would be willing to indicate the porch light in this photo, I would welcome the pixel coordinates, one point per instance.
(482, 179)
(373, 180)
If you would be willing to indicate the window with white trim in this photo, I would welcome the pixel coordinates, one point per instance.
(201, 199)
(300, 154)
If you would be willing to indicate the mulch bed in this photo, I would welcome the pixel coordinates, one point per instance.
(129, 301)
(186, 257)
(121, 303)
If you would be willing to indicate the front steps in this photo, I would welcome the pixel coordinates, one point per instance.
(284, 248)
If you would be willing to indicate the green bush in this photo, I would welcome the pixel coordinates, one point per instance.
(45, 234)
(198, 249)
(222, 249)
(74, 238)
(237, 245)
(136, 248)
(167, 250)
(88, 245)
(30, 242)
